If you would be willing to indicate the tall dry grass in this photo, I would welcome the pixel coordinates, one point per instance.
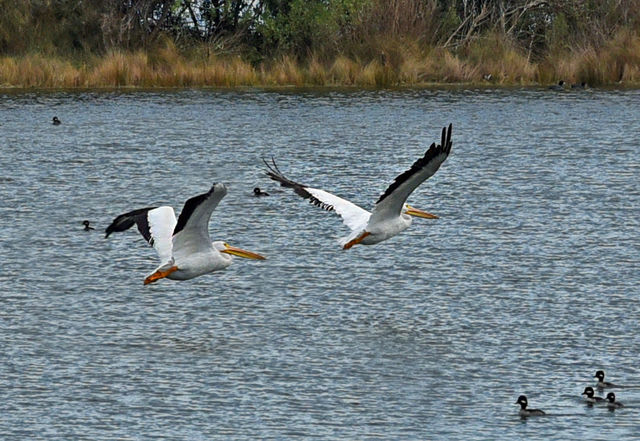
(398, 63)
(500, 57)
(162, 68)
(39, 71)
(615, 62)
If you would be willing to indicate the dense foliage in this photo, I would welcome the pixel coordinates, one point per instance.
(302, 27)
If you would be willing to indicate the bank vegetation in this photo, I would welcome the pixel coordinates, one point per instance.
(371, 43)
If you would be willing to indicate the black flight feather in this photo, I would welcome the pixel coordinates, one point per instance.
(127, 220)
(433, 151)
(189, 207)
(275, 174)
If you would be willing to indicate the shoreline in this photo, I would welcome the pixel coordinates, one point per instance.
(315, 88)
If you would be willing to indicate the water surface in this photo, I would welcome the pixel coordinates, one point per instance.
(526, 284)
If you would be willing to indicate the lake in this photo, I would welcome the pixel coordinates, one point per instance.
(527, 284)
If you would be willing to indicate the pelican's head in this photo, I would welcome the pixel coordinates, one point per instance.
(225, 248)
(408, 209)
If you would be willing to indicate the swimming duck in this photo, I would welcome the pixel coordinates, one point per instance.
(601, 383)
(87, 227)
(611, 401)
(559, 86)
(258, 192)
(56, 121)
(582, 85)
(590, 396)
(524, 412)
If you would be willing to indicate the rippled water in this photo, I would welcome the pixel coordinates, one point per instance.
(527, 283)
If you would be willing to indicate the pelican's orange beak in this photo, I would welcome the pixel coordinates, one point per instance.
(242, 253)
(419, 213)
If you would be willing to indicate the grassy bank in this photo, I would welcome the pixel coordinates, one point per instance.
(613, 63)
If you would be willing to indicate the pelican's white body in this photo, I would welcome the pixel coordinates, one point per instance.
(386, 228)
(200, 262)
(191, 249)
(382, 224)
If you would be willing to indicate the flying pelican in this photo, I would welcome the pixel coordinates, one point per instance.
(184, 246)
(390, 215)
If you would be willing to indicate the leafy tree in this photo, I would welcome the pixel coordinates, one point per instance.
(303, 27)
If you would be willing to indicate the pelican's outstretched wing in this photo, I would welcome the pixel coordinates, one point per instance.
(191, 233)
(155, 224)
(392, 200)
(353, 216)
(127, 220)
(162, 222)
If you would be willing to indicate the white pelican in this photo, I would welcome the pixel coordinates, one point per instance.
(390, 215)
(184, 246)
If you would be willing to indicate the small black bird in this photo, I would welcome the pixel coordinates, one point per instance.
(87, 227)
(56, 121)
(601, 383)
(582, 85)
(590, 396)
(524, 412)
(559, 86)
(258, 192)
(611, 401)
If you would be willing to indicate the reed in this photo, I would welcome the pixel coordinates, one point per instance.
(39, 71)
(615, 62)
(229, 72)
(344, 71)
(500, 57)
(118, 69)
(283, 71)
(396, 63)
(317, 73)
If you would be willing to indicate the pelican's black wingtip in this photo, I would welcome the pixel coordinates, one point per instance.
(125, 221)
(273, 168)
(445, 141)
